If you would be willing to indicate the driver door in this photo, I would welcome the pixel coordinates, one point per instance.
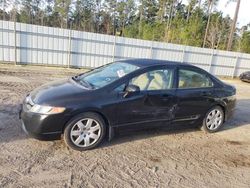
(153, 105)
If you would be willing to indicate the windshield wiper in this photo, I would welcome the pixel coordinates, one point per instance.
(86, 84)
(83, 82)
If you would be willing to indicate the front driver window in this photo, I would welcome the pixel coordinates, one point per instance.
(193, 79)
(154, 80)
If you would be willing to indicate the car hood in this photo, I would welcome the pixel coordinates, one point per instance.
(54, 92)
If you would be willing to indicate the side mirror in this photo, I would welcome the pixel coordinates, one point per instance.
(131, 89)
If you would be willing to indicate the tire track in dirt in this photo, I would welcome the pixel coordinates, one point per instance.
(24, 171)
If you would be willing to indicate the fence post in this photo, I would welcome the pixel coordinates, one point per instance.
(183, 54)
(151, 50)
(211, 62)
(114, 45)
(235, 65)
(15, 47)
(2, 39)
(69, 49)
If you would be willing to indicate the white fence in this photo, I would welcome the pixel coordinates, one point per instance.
(32, 44)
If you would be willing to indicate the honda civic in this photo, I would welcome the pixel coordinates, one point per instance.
(126, 94)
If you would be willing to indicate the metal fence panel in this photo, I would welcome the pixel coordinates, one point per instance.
(61, 47)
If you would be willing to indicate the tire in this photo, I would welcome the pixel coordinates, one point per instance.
(84, 131)
(213, 120)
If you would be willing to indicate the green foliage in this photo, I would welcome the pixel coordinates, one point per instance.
(83, 15)
(153, 31)
(132, 30)
(62, 10)
(245, 42)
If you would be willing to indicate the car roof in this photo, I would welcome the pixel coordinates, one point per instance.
(151, 62)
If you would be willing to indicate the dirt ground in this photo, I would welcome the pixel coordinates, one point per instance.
(159, 158)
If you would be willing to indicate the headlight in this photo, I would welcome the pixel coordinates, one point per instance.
(40, 109)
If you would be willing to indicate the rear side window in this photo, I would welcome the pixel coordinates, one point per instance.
(193, 79)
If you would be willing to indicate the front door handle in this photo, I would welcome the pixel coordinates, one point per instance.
(166, 97)
(206, 93)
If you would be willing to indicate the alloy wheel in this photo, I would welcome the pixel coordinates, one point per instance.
(214, 119)
(85, 132)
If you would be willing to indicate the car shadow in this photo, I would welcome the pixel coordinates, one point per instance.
(131, 136)
(10, 125)
(241, 115)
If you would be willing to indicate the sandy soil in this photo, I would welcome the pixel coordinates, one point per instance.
(159, 158)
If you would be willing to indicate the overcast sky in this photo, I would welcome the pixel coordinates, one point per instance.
(244, 15)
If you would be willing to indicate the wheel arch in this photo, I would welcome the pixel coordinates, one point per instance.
(224, 111)
(109, 130)
(223, 107)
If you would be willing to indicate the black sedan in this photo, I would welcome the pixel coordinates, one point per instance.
(131, 94)
(245, 76)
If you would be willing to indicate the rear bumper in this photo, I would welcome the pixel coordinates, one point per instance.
(42, 127)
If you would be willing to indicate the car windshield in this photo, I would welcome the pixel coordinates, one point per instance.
(102, 76)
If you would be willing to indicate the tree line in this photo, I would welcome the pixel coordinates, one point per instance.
(196, 23)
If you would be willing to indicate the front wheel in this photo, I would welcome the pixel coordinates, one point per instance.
(85, 131)
(213, 120)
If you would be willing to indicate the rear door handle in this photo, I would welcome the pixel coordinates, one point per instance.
(165, 99)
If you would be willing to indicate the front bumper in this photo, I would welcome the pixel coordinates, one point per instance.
(42, 127)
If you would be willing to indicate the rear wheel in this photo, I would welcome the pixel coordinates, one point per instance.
(213, 120)
(85, 131)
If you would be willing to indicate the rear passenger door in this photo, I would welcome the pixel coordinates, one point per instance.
(194, 93)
